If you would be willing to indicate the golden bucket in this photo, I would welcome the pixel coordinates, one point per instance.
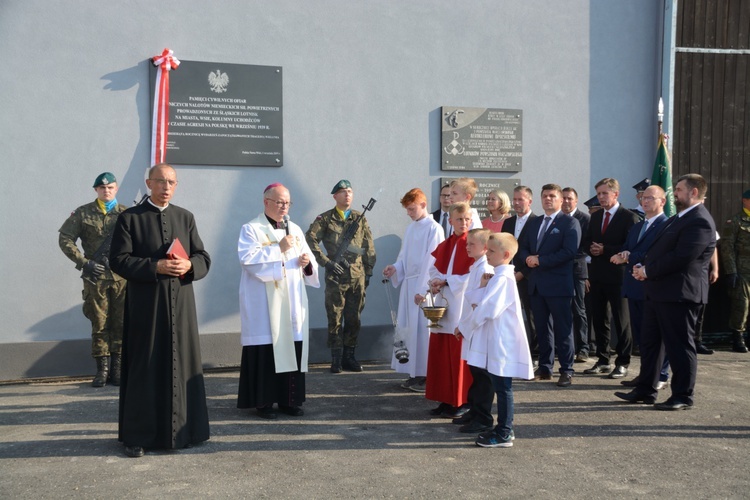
(432, 312)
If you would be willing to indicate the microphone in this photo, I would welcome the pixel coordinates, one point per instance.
(285, 218)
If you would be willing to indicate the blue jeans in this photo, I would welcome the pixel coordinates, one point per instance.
(504, 390)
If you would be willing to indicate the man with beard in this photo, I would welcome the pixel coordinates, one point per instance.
(675, 279)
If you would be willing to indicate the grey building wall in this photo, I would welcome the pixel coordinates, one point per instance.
(363, 84)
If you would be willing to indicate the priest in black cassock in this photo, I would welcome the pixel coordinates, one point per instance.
(162, 393)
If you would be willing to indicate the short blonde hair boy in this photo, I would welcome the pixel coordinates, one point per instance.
(503, 242)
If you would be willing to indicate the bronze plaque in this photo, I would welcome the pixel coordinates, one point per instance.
(484, 187)
(482, 139)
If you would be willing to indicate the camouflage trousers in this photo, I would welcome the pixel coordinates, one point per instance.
(344, 303)
(740, 300)
(104, 306)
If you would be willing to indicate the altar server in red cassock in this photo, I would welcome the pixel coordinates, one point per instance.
(448, 376)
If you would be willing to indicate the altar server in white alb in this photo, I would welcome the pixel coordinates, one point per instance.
(422, 237)
(496, 335)
(276, 266)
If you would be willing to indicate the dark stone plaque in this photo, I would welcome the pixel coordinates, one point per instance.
(484, 187)
(224, 114)
(482, 139)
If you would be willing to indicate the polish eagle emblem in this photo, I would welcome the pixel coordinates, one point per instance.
(218, 81)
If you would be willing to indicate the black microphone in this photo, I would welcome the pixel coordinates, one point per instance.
(285, 218)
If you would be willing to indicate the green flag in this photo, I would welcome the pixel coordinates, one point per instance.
(662, 175)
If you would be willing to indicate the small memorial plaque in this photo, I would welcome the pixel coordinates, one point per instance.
(224, 114)
(484, 187)
(482, 139)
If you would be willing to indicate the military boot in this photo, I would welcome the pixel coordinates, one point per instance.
(115, 369)
(738, 343)
(102, 370)
(349, 362)
(335, 360)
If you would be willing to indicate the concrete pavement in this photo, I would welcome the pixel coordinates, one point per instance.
(365, 437)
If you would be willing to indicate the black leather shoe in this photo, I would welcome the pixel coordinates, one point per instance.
(442, 407)
(464, 419)
(456, 412)
(631, 383)
(565, 380)
(267, 412)
(540, 374)
(618, 372)
(294, 411)
(702, 349)
(634, 397)
(597, 369)
(672, 406)
(475, 428)
(581, 357)
(134, 451)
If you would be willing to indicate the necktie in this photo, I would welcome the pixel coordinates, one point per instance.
(444, 223)
(606, 222)
(644, 228)
(543, 232)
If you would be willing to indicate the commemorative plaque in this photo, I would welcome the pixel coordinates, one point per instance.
(224, 114)
(482, 139)
(484, 187)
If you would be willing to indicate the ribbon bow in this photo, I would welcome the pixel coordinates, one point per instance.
(166, 61)
(160, 122)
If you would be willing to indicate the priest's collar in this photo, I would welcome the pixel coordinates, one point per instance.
(161, 209)
(276, 225)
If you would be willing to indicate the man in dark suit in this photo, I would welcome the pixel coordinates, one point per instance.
(606, 234)
(675, 276)
(516, 225)
(580, 276)
(633, 251)
(441, 215)
(549, 248)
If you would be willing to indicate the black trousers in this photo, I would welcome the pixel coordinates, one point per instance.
(481, 395)
(669, 328)
(603, 294)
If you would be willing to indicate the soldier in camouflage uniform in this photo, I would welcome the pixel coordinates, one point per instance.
(103, 290)
(347, 279)
(735, 255)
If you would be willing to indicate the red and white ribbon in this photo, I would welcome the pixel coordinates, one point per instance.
(160, 124)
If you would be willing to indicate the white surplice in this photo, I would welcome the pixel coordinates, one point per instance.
(420, 240)
(476, 271)
(273, 299)
(495, 330)
(453, 293)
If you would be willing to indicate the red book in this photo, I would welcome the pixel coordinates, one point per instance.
(175, 251)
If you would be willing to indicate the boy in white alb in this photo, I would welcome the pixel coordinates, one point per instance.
(463, 190)
(481, 394)
(422, 236)
(497, 337)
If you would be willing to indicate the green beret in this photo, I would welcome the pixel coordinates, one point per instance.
(342, 184)
(746, 195)
(104, 179)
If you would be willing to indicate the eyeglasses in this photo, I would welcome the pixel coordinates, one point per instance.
(280, 204)
(165, 182)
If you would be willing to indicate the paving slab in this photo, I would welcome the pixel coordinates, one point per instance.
(363, 436)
